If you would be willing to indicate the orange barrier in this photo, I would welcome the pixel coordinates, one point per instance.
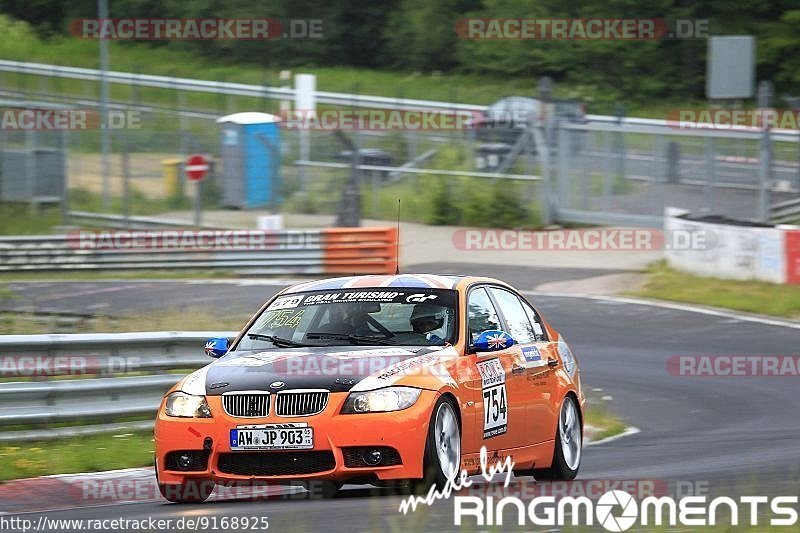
(359, 250)
(792, 256)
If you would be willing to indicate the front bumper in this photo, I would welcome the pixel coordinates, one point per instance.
(404, 431)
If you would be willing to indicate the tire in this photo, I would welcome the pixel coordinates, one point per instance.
(324, 489)
(568, 445)
(192, 491)
(442, 458)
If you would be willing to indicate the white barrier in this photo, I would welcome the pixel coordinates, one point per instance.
(734, 251)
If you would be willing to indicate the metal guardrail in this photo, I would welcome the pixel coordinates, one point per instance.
(227, 88)
(327, 251)
(134, 221)
(785, 212)
(412, 170)
(86, 403)
(324, 97)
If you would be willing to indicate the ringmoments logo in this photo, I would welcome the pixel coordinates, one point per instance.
(618, 510)
(614, 510)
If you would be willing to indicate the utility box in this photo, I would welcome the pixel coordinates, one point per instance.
(250, 150)
(32, 175)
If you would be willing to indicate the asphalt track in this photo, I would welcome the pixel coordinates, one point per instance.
(735, 436)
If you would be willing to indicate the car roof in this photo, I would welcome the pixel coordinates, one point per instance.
(421, 281)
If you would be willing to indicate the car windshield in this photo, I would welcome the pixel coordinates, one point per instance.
(364, 316)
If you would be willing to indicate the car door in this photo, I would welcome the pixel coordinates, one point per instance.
(498, 385)
(538, 360)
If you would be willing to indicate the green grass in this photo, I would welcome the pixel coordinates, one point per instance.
(78, 454)
(607, 423)
(759, 297)
(446, 200)
(183, 319)
(139, 204)
(21, 43)
(133, 274)
(23, 219)
(20, 218)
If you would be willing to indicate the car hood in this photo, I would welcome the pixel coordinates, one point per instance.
(335, 368)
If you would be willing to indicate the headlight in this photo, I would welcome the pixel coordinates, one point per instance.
(187, 406)
(381, 400)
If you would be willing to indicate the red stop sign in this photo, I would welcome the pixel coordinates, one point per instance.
(196, 167)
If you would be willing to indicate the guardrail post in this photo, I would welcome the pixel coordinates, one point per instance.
(564, 178)
(708, 184)
(765, 175)
(549, 211)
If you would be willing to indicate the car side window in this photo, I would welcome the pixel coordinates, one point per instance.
(519, 326)
(481, 315)
(536, 323)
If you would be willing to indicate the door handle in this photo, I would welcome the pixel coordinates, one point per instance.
(517, 368)
(552, 363)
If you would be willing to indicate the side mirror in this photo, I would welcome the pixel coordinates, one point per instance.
(216, 347)
(493, 340)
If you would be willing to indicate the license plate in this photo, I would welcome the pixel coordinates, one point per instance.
(293, 436)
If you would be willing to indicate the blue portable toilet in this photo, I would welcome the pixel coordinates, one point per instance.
(251, 161)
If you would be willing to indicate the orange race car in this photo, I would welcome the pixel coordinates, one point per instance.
(375, 379)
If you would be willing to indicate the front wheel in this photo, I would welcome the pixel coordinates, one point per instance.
(442, 459)
(567, 447)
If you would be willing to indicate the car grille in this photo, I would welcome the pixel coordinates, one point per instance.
(275, 463)
(300, 403)
(246, 404)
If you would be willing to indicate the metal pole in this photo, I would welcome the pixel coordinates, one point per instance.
(708, 186)
(183, 124)
(105, 142)
(564, 178)
(30, 166)
(376, 193)
(657, 169)
(549, 210)
(126, 175)
(608, 169)
(765, 175)
(198, 203)
(64, 149)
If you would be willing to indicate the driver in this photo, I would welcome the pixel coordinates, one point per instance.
(352, 318)
(426, 318)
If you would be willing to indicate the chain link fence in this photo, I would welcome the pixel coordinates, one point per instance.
(564, 172)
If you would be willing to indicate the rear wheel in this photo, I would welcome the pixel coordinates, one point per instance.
(442, 459)
(568, 445)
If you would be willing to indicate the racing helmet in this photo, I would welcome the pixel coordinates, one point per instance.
(427, 317)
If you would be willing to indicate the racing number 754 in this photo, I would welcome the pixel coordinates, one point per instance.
(495, 402)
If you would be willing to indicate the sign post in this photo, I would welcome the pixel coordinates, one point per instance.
(196, 169)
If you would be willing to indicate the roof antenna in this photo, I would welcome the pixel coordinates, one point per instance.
(397, 243)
